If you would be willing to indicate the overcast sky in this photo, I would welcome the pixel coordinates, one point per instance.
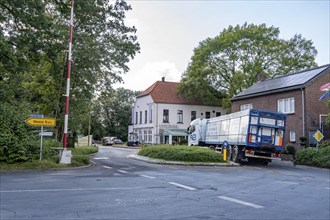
(169, 30)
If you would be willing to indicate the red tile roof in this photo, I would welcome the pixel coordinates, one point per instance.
(166, 92)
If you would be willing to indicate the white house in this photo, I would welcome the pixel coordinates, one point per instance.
(161, 116)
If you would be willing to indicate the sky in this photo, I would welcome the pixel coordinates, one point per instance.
(169, 30)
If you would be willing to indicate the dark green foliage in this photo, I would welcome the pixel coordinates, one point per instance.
(240, 56)
(314, 157)
(14, 135)
(289, 149)
(181, 153)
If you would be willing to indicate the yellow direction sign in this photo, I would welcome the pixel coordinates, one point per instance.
(318, 136)
(46, 122)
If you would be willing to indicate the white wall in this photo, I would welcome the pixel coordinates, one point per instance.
(142, 105)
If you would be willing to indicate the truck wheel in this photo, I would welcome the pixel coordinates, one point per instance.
(229, 153)
(236, 154)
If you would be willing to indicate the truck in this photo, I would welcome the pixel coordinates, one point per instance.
(253, 134)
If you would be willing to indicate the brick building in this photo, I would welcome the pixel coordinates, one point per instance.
(297, 95)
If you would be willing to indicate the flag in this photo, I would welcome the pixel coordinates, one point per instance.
(325, 95)
(325, 87)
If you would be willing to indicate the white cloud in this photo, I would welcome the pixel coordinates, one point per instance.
(149, 74)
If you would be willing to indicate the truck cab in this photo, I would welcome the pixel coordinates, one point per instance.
(196, 133)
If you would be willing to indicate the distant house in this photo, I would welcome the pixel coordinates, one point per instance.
(161, 116)
(298, 96)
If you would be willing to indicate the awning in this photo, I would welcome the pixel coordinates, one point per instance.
(176, 132)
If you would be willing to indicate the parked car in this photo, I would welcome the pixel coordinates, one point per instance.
(133, 143)
(118, 141)
(108, 141)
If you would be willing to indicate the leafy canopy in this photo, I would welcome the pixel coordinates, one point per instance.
(240, 56)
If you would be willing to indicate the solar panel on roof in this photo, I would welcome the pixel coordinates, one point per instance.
(282, 82)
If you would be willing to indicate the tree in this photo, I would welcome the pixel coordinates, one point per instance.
(114, 108)
(33, 54)
(240, 56)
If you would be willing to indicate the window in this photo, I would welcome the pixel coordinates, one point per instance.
(145, 117)
(136, 117)
(140, 117)
(217, 114)
(193, 115)
(145, 136)
(180, 116)
(166, 115)
(285, 105)
(292, 136)
(207, 115)
(150, 136)
(246, 106)
(150, 113)
(140, 135)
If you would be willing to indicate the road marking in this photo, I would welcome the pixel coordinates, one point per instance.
(107, 167)
(247, 177)
(122, 171)
(241, 202)
(182, 186)
(286, 182)
(150, 177)
(327, 187)
(101, 158)
(77, 189)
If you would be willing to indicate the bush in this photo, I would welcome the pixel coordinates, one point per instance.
(14, 135)
(314, 157)
(181, 153)
(289, 149)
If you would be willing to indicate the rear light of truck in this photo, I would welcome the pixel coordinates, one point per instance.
(249, 152)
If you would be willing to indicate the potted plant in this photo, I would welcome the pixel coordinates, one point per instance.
(288, 153)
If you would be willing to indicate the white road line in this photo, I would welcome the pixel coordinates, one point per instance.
(327, 187)
(101, 158)
(77, 189)
(182, 186)
(122, 171)
(150, 177)
(107, 167)
(286, 182)
(241, 202)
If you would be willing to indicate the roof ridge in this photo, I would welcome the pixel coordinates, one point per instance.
(301, 71)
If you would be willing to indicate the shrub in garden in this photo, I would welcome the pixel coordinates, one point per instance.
(181, 153)
(314, 157)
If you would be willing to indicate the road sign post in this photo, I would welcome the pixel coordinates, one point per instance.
(40, 121)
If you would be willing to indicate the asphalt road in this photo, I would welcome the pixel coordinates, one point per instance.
(120, 188)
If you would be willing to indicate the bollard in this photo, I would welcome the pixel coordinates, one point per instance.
(225, 154)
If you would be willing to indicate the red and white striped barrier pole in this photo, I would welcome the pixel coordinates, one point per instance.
(67, 94)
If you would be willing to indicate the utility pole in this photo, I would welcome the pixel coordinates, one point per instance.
(67, 94)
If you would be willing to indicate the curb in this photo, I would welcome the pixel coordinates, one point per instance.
(165, 162)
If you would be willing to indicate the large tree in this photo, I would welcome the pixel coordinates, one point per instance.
(112, 113)
(225, 65)
(33, 53)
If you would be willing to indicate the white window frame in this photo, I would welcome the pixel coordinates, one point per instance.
(180, 116)
(292, 136)
(286, 106)
(246, 106)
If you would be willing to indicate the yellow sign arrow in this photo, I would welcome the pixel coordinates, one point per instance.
(46, 122)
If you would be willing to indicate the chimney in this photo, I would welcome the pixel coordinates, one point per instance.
(163, 79)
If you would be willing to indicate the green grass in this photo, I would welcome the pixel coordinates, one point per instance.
(80, 157)
(182, 153)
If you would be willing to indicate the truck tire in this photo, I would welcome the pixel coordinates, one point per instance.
(236, 157)
(229, 153)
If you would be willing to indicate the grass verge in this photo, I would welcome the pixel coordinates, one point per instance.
(80, 157)
(182, 153)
